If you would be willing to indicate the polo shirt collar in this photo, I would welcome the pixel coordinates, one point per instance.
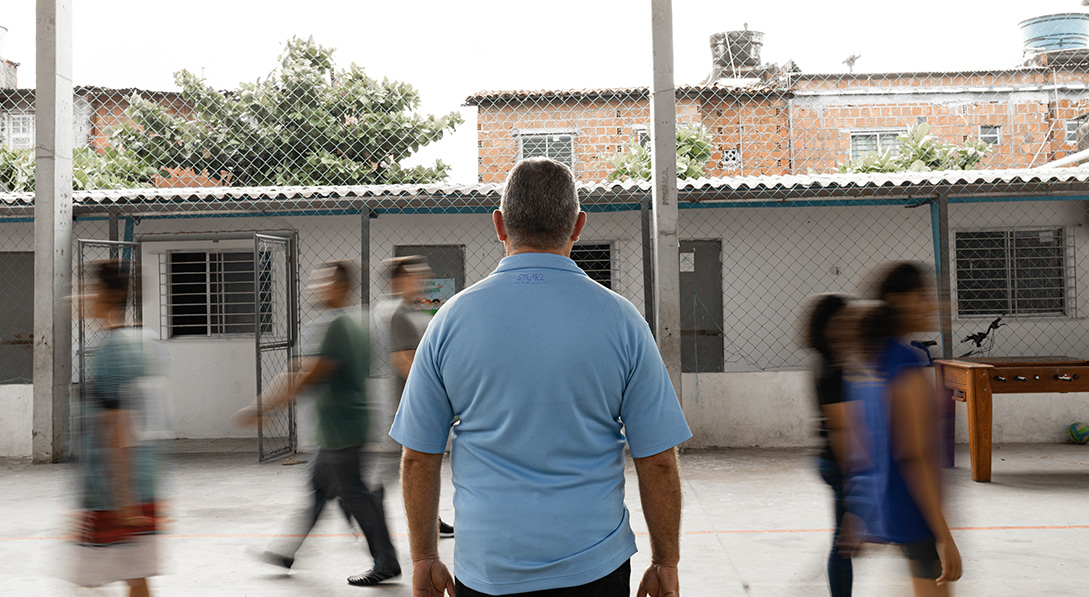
(537, 261)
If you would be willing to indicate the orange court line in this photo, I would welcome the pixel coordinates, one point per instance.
(1078, 527)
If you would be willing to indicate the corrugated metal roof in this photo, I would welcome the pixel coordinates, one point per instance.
(741, 188)
(613, 92)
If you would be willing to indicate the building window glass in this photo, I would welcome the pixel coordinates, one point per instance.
(866, 142)
(642, 135)
(1072, 131)
(20, 131)
(596, 259)
(990, 134)
(558, 146)
(214, 293)
(1018, 271)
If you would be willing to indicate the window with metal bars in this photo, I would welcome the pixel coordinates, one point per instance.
(864, 142)
(1014, 272)
(215, 293)
(558, 146)
(19, 129)
(596, 259)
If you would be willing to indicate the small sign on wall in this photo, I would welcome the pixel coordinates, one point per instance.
(688, 262)
(433, 293)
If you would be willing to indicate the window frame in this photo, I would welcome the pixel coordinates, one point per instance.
(894, 132)
(522, 135)
(642, 135)
(1070, 136)
(10, 136)
(215, 301)
(600, 245)
(1014, 310)
(997, 134)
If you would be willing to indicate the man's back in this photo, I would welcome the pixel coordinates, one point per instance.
(341, 405)
(543, 368)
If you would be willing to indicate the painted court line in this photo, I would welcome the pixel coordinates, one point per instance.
(1075, 527)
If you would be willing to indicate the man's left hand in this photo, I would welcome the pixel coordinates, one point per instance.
(659, 581)
(431, 578)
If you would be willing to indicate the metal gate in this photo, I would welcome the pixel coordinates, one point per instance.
(90, 334)
(275, 330)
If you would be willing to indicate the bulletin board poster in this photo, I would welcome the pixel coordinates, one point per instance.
(434, 293)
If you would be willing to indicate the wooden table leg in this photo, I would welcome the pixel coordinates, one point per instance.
(979, 400)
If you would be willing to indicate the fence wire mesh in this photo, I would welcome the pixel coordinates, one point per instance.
(791, 183)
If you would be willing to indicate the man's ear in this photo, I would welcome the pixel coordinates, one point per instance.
(580, 223)
(500, 227)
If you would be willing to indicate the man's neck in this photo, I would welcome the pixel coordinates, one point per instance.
(562, 251)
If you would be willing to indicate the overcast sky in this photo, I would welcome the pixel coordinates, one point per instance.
(450, 49)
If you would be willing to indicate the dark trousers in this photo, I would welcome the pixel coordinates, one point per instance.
(337, 474)
(840, 569)
(615, 584)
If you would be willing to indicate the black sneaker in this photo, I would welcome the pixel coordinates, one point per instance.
(373, 577)
(445, 530)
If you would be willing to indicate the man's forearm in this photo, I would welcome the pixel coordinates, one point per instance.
(420, 486)
(660, 494)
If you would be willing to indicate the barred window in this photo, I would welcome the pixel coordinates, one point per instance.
(990, 134)
(596, 259)
(865, 142)
(558, 146)
(1016, 271)
(214, 293)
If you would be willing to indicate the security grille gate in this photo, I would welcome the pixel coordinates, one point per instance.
(90, 334)
(275, 332)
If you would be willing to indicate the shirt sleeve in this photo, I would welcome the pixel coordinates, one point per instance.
(403, 334)
(425, 414)
(651, 414)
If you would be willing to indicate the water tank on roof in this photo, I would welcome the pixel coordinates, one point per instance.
(735, 52)
(1065, 31)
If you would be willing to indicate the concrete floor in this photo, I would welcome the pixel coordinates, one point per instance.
(755, 523)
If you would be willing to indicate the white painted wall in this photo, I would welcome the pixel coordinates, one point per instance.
(762, 408)
(17, 420)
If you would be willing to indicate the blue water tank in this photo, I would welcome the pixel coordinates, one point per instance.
(1064, 31)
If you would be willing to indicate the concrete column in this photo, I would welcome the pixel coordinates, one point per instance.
(663, 111)
(52, 230)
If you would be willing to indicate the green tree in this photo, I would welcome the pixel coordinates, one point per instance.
(919, 151)
(308, 123)
(109, 169)
(694, 150)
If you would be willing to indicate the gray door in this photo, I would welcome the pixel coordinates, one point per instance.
(701, 306)
(275, 330)
(16, 317)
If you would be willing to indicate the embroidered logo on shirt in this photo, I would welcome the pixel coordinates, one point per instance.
(530, 279)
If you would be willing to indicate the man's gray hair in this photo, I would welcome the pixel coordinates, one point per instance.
(540, 204)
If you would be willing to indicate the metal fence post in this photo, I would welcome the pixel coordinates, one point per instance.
(663, 111)
(939, 218)
(365, 256)
(648, 262)
(52, 231)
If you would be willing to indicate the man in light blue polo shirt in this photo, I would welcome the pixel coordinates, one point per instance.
(548, 374)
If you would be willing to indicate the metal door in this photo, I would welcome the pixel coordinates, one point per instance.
(90, 334)
(275, 330)
(701, 306)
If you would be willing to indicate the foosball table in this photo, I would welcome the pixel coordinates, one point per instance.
(974, 381)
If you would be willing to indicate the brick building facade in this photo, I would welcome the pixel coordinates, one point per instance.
(793, 123)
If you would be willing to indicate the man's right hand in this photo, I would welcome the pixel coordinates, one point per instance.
(659, 581)
(431, 578)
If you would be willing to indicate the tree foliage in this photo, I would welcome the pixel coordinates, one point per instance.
(109, 169)
(308, 123)
(919, 151)
(694, 150)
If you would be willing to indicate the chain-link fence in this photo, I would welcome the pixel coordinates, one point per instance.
(792, 183)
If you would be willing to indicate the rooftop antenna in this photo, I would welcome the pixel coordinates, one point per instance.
(853, 58)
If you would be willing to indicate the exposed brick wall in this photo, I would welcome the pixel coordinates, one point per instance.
(808, 127)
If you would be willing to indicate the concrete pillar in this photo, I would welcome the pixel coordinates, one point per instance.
(663, 112)
(52, 230)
